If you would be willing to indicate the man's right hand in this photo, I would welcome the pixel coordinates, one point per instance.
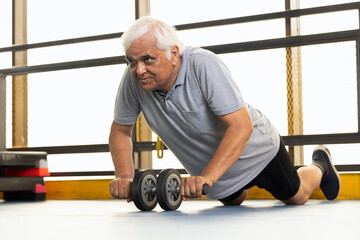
(121, 188)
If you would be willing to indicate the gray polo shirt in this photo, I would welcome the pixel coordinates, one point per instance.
(187, 121)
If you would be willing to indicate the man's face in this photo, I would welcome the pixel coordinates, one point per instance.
(150, 66)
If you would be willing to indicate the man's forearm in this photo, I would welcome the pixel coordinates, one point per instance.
(238, 132)
(121, 148)
(123, 168)
(228, 152)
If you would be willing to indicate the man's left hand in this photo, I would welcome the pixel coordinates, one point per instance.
(191, 187)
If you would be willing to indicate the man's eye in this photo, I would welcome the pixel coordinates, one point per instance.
(148, 59)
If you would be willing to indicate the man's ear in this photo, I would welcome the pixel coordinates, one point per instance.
(175, 54)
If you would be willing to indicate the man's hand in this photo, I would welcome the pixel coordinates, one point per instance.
(191, 187)
(121, 188)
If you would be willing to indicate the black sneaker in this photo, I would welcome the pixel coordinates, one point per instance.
(330, 182)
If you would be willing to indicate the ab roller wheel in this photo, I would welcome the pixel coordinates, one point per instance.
(147, 189)
(168, 190)
(144, 190)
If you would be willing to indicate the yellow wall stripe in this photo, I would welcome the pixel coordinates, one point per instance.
(99, 189)
(78, 189)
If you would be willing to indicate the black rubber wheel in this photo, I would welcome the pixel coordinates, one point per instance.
(144, 190)
(168, 189)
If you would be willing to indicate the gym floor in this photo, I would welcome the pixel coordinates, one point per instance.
(115, 219)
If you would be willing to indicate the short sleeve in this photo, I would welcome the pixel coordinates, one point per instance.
(217, 85)
(127, 106)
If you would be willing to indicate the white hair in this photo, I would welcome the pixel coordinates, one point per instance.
(165, 35)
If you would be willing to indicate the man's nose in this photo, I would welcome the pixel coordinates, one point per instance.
(140, 68)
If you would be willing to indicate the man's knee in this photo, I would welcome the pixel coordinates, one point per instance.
(300, 198)
(295, 201)
(238, 201)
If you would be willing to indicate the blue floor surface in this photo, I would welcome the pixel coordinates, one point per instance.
(196, 219)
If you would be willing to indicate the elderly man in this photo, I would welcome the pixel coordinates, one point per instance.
(191, 102)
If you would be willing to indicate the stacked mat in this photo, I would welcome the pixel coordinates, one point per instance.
(22, 175)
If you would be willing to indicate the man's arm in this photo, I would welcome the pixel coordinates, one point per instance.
(238, 132)
(121, 148)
